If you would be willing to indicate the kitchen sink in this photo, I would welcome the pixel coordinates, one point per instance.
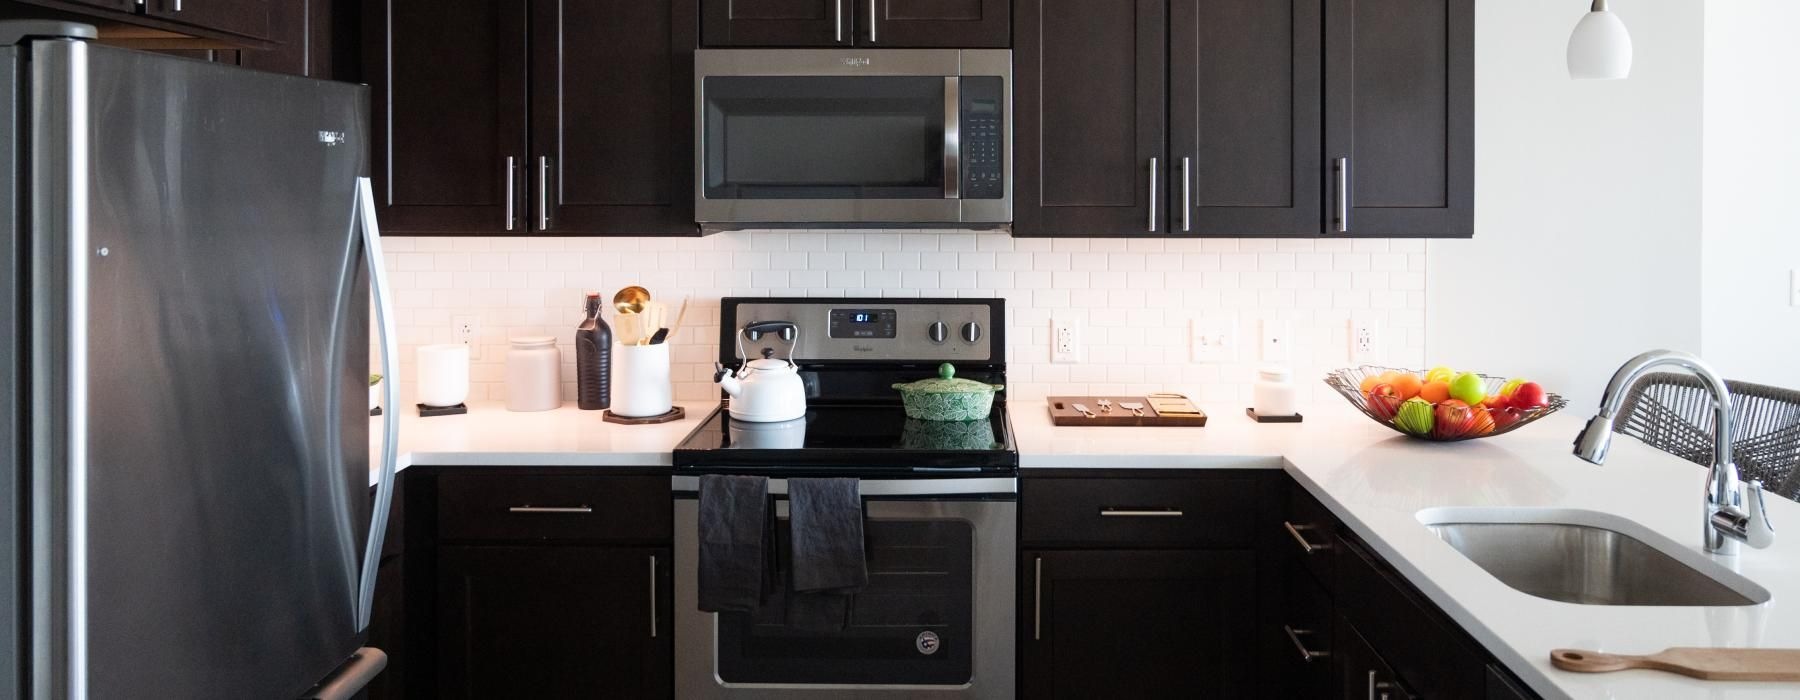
(1582, 557)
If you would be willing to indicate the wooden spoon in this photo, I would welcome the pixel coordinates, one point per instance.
(1705, 663)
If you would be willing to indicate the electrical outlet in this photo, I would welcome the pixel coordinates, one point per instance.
(1365, 340)
(463, 330)
(1277, 336)
(1065, 340)
(1214, 339)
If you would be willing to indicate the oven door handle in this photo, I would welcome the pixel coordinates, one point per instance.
(952, 137)
(882, 488)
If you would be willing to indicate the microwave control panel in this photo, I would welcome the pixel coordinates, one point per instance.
(983, 134)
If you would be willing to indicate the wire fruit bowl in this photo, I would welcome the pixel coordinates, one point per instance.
(1482, 423)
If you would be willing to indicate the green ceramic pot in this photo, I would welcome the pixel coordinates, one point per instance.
(947, 398)
(948, 435)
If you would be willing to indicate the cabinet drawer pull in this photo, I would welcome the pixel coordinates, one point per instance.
(543, 193)
(1152, 225)
(1386, 690)
(1341, 220)
(1124, 513)
(872, 20)
(1306, 654)
(511, 176)
(1305, 546)
(1187, 189)
(837, 18)
(652, 596)
(550, 509)
(1037, 599)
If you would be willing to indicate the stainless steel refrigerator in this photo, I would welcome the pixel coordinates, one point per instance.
(184, 377)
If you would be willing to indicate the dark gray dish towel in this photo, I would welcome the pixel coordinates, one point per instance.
(736, 540)
(826, 521)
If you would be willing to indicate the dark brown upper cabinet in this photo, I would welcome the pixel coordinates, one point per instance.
(450, 88)
(1264, 101)
(1400, 117)
(1244, 117)
(502, 117)
(611, 126)
(242, 17)
(166, 25)
(963, 24)
(1089, 130)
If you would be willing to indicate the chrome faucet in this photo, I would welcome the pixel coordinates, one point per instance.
(1725, 521)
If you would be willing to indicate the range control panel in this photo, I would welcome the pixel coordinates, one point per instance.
(895, 331)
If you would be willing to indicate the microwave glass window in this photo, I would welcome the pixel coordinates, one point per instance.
(769, 137)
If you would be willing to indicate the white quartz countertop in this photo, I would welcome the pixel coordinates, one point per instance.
(1375, 480)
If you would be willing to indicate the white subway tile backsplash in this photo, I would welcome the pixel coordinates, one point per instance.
(1135, 296)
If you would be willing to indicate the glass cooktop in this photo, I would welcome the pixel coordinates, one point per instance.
(863, 438)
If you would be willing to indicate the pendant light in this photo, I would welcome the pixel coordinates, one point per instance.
(1600, 48)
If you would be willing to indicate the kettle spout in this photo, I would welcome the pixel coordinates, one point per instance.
(725, 380)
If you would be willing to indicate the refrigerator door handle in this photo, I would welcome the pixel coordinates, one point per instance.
(390, 354)
(350, 678)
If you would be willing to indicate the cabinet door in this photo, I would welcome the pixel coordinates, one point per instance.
(241, 17)
(301, 30)
(1089, 118)
(612, 117)
(1244, 107)
(449, 116)
(553, 622)
(777, 22)
(387, 630)
(1362, 674)
(956, 24)
(1400, 114)
(1137, 624)
(120, 5)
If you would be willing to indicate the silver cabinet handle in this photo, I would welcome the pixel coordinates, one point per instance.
(652, 596)
(512, 174)
(1187, 188)
(1125, 513)
(1037, 600)
(1342, 168)
(177, 5)
(550, 509)
(1153, 194)
(1305, 546)
(1306, 655)
(390, 423)
(1371, 684)
(543, 193)
(872, 20)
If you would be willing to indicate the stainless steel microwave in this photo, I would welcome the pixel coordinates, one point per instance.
(882, 137)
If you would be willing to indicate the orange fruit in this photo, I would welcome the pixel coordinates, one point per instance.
(1368, 383)
(1435, 392)
(1390, 376)
(1408, 385)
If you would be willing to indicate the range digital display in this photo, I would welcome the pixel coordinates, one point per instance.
(862, 323)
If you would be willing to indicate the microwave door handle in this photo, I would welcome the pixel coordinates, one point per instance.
(952, 137)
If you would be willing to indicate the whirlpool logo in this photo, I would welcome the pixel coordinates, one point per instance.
(333, 138)
(854, 61)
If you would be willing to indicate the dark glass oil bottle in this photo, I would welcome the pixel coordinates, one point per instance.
(593, 359)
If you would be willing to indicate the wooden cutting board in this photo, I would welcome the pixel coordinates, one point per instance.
(1062, 412)
(1705, 663)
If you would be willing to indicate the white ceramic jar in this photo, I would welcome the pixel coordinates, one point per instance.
(533, 372)
(641, 384)
(1275, 394)
(443, 375)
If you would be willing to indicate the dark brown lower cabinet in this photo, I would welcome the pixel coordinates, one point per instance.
(553, 622)
(387, 630)
(1362, 673)
(1137, 624)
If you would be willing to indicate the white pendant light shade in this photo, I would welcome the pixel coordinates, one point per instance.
(1600, 48)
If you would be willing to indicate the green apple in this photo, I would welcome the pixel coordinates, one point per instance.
(1468, 388)
(1510, 386)
(1415, 416)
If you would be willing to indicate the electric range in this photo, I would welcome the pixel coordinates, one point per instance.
(940, 505)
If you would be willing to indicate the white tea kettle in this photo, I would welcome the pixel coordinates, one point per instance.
(765, 390)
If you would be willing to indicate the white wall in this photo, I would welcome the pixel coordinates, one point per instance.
(1586, 247)
(1751, 189)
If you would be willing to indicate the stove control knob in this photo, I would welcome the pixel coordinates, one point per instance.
(971, 332)
(939, 332)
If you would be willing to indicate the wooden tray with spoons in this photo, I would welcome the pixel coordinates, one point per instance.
(1705, 663)
(1117, 411)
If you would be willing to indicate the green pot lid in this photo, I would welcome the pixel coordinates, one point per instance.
(947, 383)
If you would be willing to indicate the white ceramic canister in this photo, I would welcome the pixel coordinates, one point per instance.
(533, 373)
(1275, 393)
(443, 374)
(641, 386)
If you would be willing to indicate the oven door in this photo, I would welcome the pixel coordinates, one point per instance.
(831, 136)
(935, 620)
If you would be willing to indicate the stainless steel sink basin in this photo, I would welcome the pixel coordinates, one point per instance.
(1591, 565)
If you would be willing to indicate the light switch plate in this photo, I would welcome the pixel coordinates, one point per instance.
(1277, 336)
(1214, 339)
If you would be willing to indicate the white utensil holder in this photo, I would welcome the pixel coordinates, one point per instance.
(443, 374)
(641, 386)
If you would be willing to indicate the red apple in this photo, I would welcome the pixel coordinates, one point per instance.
(1505, 417)
(1384, 401)
(1496, 401)
(1454, 419)
(1528, 396)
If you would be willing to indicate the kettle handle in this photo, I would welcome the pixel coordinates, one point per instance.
(769, 327)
